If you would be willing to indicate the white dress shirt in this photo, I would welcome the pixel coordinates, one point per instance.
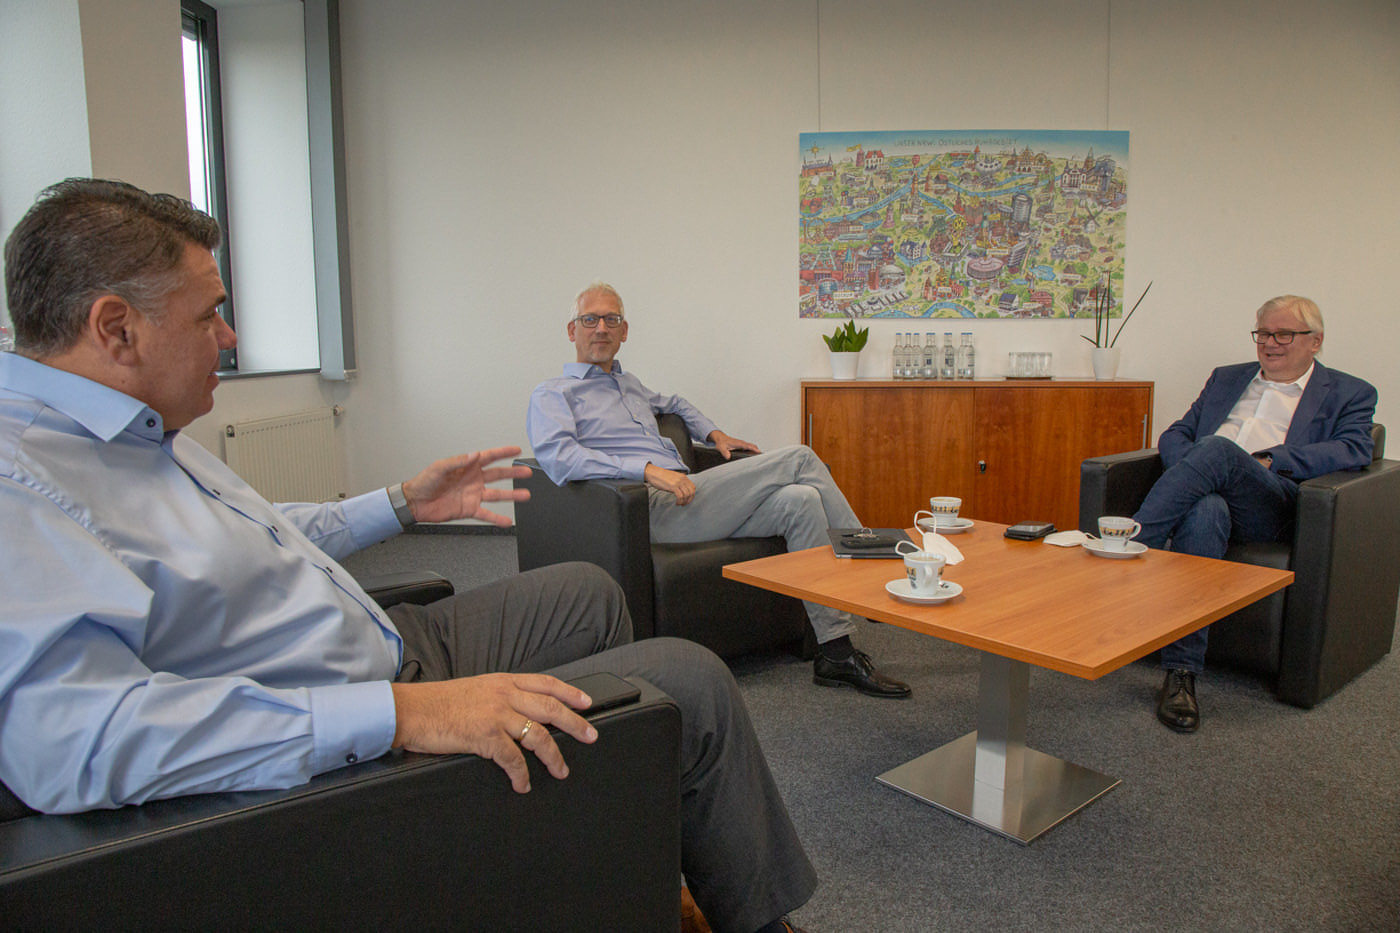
(1260, 419)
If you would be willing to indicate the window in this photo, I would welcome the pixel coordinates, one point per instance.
(262, 93)
(205, 135)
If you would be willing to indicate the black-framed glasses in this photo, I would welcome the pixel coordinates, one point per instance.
(611, 321)
(1281, 337)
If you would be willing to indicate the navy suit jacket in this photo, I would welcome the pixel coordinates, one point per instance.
(1330, 430)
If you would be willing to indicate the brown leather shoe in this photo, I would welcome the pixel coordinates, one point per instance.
(692, 920)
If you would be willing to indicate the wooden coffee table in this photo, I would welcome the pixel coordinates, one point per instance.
(1023, 603)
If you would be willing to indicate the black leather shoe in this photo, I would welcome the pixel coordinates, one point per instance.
(857, 671)
(1176, 704)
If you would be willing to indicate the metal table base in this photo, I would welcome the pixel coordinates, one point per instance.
(989, 776)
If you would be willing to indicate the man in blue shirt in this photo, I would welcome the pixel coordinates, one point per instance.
(599, 421)
(1233, 463)
(166, 631)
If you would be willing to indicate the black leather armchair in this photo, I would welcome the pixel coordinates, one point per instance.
(422, 841)
(671, 589)
(1338, 616)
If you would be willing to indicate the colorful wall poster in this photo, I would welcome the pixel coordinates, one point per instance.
(996, 224)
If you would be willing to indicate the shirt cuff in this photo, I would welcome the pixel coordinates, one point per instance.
(371, 517)
(636, 468)
(704, 427)
(351, 723)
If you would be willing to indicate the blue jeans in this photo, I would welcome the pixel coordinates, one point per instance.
(1215, 494)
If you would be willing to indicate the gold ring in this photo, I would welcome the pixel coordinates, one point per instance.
(526, 731)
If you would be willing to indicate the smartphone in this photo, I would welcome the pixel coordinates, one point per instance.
(1029, 531)
(607, 690)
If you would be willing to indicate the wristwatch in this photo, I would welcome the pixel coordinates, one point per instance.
(400, 503)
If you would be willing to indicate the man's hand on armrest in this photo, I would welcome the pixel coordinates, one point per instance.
(494, 716)
(726, 444)
(677, 484)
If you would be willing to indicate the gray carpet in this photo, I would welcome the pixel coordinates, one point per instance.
(1271, 818)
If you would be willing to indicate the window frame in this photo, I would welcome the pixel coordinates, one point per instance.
(200, 23)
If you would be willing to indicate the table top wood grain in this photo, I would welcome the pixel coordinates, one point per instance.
(1061, 608)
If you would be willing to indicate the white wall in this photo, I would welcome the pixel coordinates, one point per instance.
(501, 156)
(94, 87)
(37, 81)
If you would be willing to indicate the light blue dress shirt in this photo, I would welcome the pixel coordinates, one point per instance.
(589, 424)
(164, 630)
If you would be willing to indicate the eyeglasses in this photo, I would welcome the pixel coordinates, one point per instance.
(1281, 337)
(590, 321)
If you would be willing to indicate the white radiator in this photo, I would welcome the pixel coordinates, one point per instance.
(289, 458)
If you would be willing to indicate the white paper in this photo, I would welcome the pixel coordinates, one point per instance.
(1067, 538)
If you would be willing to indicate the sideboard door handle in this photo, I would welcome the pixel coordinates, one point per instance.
(981, 466)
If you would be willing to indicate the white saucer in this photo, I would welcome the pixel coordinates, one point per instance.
(901, 590)
(956, 527)
(1096, 547)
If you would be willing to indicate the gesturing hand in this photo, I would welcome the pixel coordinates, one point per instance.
(486, 716)
(456, 487)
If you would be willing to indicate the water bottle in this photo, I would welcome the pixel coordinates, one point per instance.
(7, 340)
(967, 361)
(929, 370)
(949, 367)
(897, 356)
(906, 357)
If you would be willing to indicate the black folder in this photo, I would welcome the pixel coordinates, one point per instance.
(852, 542)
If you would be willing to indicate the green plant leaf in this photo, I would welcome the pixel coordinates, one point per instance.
(847, 339)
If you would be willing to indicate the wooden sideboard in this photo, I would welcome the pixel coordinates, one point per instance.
(1010, 448)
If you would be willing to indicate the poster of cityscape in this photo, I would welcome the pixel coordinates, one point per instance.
(994, 224)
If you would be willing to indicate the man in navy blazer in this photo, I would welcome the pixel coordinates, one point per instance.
(1233, 463)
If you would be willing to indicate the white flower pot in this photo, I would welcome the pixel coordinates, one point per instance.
(844, 364)
(1105, 362)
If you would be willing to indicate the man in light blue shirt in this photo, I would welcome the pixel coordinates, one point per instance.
(599, 421)
(166, 631)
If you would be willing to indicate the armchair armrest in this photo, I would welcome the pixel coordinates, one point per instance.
(407, 840)
(601, 521)
(707, 456)
(419, 587)
(1340, 615)
(1115, 485)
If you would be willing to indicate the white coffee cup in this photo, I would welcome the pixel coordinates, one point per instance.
(1115, 532)
(944, 509)
(923, 568)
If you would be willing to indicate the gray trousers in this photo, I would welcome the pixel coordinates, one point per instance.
(740, 854)
(787, 492)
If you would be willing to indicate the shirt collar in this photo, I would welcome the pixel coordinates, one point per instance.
(583, 370)
(1301, 382)
(101, 409)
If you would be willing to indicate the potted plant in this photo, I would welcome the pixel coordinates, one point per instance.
(845, 346)
(1105, 352)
